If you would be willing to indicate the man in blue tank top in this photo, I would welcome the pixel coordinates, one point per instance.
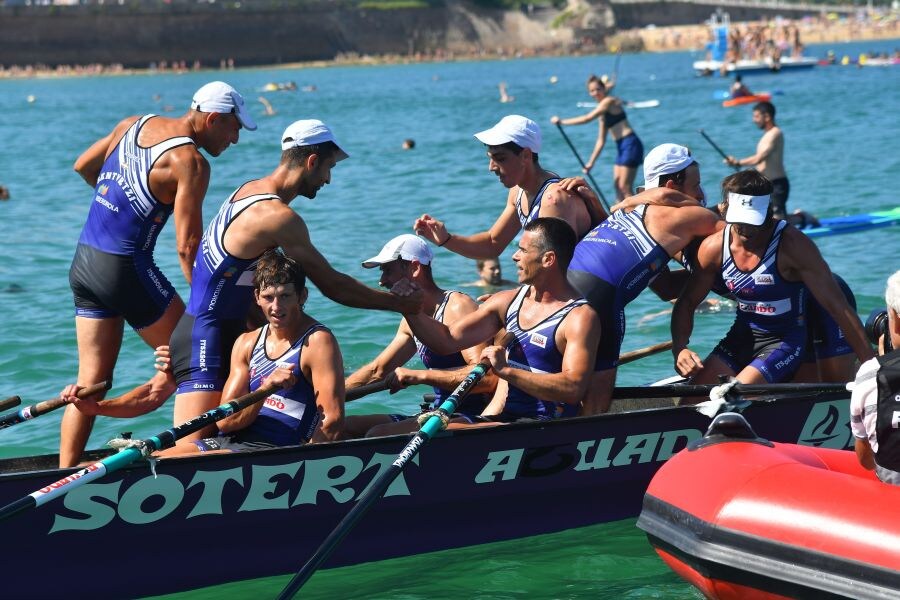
(407, 256)
(143, 171)
(769, 267)
(292, 351)
(546, 368)
(255, 218)
(513, 145)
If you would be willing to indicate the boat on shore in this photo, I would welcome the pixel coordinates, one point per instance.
(738, 516)
(163, 531)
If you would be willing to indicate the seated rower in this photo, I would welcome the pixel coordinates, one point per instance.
(292, 350)
(547, 366)
(410, 257)
(738, 89)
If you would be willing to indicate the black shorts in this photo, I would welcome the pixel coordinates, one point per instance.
(112, 285)
(201, 352)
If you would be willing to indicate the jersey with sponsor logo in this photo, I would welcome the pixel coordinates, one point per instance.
(535, 209)
(765, 300)
(471, 404)
(290, 415)
(621, 251)
(221, 283)
(534, 349)
(125, 217)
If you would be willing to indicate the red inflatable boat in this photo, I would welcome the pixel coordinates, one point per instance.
(740, 517)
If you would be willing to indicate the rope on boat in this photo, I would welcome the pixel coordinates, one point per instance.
(145, 449)
(717, 399)
(444, 417)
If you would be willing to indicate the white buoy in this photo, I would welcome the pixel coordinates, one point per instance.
(30, 98)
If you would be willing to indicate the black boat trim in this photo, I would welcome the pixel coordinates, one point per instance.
(761, 563)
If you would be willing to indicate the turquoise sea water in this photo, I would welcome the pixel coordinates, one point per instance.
(842, 157)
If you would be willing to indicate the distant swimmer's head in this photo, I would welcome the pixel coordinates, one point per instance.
(219, 97)
(489, 271)
(672, 166)
(409, 144)
(512, 144)
(747, 199)
(310, 144)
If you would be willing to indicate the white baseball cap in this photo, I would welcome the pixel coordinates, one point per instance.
(665, 159)
(751, 210)
(520, 130)
(307, 132)
(219, 97)
(407, 247)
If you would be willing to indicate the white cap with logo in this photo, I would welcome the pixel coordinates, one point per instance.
(665, 159)
(750, 210)
(520, 130)
(407, 247)
(219, 97)
(307, 132)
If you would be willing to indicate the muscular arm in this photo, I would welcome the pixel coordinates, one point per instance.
(89, 163)
(661, 196)
(238, 384)
(586, 118)
(696, 289)
(192, 175)
(322, 364)
(292, 235)
(485, 244)
(581, 335)
(598, 146)
(394, 355)
(800, 259)
(469, 331)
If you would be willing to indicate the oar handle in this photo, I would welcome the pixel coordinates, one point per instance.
(10, 402)
(717, 149)
(633, 355)
(364, 390)
(36, 410)
(581, 162)
(380, 485)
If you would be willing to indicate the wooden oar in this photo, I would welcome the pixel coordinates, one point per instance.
(581, 162)
(365, 390)
(378, 487)
(633, 355)
(685, 390)
(160, 441)
(41, 408)
(716, 146)
(10, 402)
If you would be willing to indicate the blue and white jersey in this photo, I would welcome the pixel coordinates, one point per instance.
(765, 300)
(535, 210)
(471, 404)
(289, 416)
(534, 349)
(222, 284)
(621, 251)
(125, 217)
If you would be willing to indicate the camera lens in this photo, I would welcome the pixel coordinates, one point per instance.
(877, 326)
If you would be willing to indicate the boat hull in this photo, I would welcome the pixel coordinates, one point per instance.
(273, 508)
(756, 66)
(746, 519)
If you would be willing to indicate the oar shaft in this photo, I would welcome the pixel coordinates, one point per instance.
(10, 402)
(633, 355)
(166, 439)
(364, 390)
(677, 390)
(717, 149)
(36, 410)
(377, 489)
(581, 162)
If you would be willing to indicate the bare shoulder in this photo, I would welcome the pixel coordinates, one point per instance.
(460, 304)
(322, 339)
(711, 247)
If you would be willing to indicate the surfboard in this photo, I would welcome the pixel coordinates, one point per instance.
(641, 104)
(853, 223)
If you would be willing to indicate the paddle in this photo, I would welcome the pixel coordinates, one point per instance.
(687, 390)
(41, 408)
(633, 355)
(716, 146)
(141, 448)
(378, 487)
(10, 402)
(365, 390)
(581, 162)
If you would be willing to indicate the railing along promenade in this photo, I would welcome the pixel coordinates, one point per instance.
(759, 4)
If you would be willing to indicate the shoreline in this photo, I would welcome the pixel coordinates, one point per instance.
(674, 38)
